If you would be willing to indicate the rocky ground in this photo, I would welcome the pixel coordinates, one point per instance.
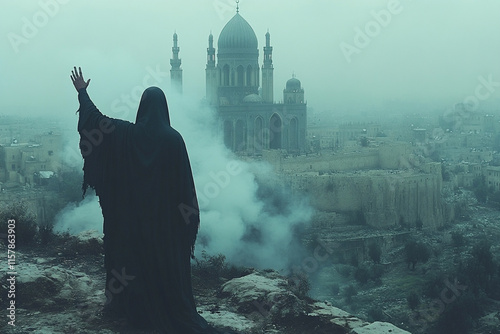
(59, 289)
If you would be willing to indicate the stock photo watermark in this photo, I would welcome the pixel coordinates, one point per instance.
(31, 26)
(483, 91)
(363, 36)
(225, 6)
(94, 137)
(127, 102)
(210, 190)
(300, 272)
(11, 272)
(431, 312)
(121, 107)
(116, 284)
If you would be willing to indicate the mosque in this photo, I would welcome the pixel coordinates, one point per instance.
(250, 119)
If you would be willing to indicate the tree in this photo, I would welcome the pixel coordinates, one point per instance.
(480, 189)
(413, 300)
(419, 224)
(375, 252)
(480, 270)
(364, 142)
(416, 252)
(25, 228)
(349, 291)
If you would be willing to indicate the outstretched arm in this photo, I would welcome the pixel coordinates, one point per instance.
(90, 116)
(77, 78)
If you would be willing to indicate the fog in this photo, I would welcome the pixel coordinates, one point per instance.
(395, 163)
(241, 217)
(351, 56)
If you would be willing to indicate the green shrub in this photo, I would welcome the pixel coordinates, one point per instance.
(416, 252)
(354, 261)
(72, 246)
(413, 300)
(480, 189)
(419, 224)
(364, 142)
(457, 239)
(459, 316)
(375, 252)
(26, 227)
(299, 284)
(210, 267)
(376, 314)
(376, 272)
(362, 275)
(214, 267)
(344, 270)
(357, 218)
(433, 287)
(349, 292)
(479, 271)
(46, 234)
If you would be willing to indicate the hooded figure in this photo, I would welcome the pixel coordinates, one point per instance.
(142, 175)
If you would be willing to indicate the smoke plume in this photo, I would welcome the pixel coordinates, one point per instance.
(243, 216)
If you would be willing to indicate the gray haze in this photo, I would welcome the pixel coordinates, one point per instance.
(236, 220)
(430, 52)
(424, 54)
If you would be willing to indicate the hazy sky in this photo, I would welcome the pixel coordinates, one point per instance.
(346, 55)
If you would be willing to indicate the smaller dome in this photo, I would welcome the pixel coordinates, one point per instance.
(293, 84)
(252, 98)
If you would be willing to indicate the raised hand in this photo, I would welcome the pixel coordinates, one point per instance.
(77, 78)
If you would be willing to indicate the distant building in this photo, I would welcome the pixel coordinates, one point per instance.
(28, 163)
(492, 175)
(326, 136)
(176, 71)
(249, 118)
(420, 135)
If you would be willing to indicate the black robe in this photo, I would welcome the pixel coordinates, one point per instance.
(143, 178)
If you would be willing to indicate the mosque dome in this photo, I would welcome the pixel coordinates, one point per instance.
(236, 35)
(252, 98)
(293, 84)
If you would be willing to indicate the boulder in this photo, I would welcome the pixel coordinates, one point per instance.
(264, 293)
(40, 287)
(379, 328)
(336, 316)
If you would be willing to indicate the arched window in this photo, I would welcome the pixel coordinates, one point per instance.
(225, 75)
(259, 134)
(275, 132)
(229, 134)
(249, 76)
(240, 136)
(293, 134)
(240, 73)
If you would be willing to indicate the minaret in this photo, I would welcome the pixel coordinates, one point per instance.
(211, 73)
(267, 71)
(176, 71)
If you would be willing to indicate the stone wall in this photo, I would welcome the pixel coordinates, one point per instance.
(385, 156)
(386, 198)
